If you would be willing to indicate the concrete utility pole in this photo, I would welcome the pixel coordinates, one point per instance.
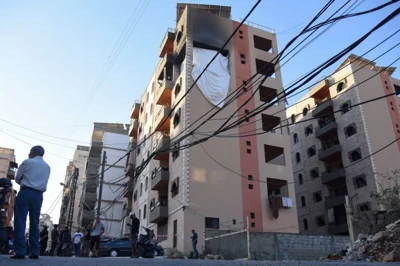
(349, 217)
(248, 238)
(103, 164)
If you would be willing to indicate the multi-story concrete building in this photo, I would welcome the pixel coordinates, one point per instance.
(330, 153)
(181, 190)
(113, 139)
(8, 168)
(79, 161)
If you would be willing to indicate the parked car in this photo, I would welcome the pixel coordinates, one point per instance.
(120, 247)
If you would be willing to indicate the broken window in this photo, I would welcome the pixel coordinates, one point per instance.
(320, 221)
(262, 44)
(175, 187)
(311, 151)
(277, 187)
(269, 122)
(177, 117)
(274, 155)
(178, 87)
(265, 68)
(360, 181)
(267, 94)
(317, 196)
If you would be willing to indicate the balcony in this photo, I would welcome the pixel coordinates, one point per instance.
(321, 90)
(331, 153)
(326, 131)
(161, 141)
(11, 173)
(90, 199)
(91, 184)
(323, 108)
(135, 110)
(87, 216)
(162, 119)
(167, 45)
(331, 202)
(159, 213)
(129, 191)
(93, 165)
(133, 129)
(165, 67)
(338, 229)
(96, 148)
(164, 91)
(160, 179)
(333, 176)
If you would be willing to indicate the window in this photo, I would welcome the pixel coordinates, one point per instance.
(233, 221)
(305, 224)
(269, 122)
(277, 187)
(265, 68)
(298, 159)
(267, 94)
(320, 221)
(243, 57)
(363, 207)
(252, 215)
(250, 177)
(140, 213)
(317, 196)
(295, 138)
(175, 152)
(311, 151)
(144, 211)
(212, 223)
(246, 112)
(309, 130)
(360, 181)
(262, 43)
(305, 111)
(178, 87)
(340, 87)
(248, 143)
(300, 176)
(293, 118)
(175, 187)
(350, 130)
(251, 186)
(346, 107)
(303, 201)
(314, 173)
(135, 196)
(355, 155)
(177, 117)
(274, 155)
(146, 184)
(175, 237)
(253, 224)
(141, 189)
(249, 151)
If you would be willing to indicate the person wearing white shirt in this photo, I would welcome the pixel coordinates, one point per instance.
(77, 242)
(32, 176)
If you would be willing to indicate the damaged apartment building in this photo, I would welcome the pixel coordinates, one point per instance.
(113, 139)
(185, 189)
(332, 138)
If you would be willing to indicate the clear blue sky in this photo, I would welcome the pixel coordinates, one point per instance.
(51, 53)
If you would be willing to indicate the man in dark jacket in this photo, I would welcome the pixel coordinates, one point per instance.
(44, 237)
(134, 233)
(54, 239)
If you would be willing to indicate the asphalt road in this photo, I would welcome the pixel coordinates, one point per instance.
(54, 261)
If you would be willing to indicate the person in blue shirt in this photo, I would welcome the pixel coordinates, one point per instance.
(32, 176)
(194, 243)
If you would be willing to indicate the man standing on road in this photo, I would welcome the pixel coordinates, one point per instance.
(77, 242)
(54, 239)
(194, 243)
(32, 176)
(98, 230)
(44, 237)
(134, 233)
(86, 242)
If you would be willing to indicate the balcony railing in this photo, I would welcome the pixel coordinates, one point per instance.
(167, 44)
(326, 130)
(321, 90)
(159, 213)
(333, 176)
(330, 152)
(322, 108)
(162, 119)
(160, 179)
(135, 110)
(333, 201)
(161, 141)
(164, 91)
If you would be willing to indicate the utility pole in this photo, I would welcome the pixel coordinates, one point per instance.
(248, 238)
(103, 165)
(349, 217)
(73, 188)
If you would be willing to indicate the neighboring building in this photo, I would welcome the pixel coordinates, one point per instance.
(79, 161)
(185, 189)
(113, 139)
(324, 149)
(8, 168)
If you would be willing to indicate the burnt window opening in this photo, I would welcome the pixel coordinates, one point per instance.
(340, 86)
(251, 186)
(303, 201)
(317, 196)
(175, 187)
(298, 158)
(311, 151)
(252, 215)
(177, 117)
(175, 152)
(269, 122)
(305, 224)
(274, 155)
(314, 173)
(212, 223)
(305, 111)
(246, 112)
(363, 207)
(320, 221)
(267, 94)
(350, 130)
(265, 68)
(293, 118)
(277, 187)
(309, 130)
(300, 177)
(360, 181)
(250, 177)
(262, 44)
(178, 88)
(345, 108)
(295, 138)
(355, 155)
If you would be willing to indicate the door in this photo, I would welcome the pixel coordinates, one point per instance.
(175, 237)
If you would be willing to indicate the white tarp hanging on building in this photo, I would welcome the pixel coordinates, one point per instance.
(214, 83)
